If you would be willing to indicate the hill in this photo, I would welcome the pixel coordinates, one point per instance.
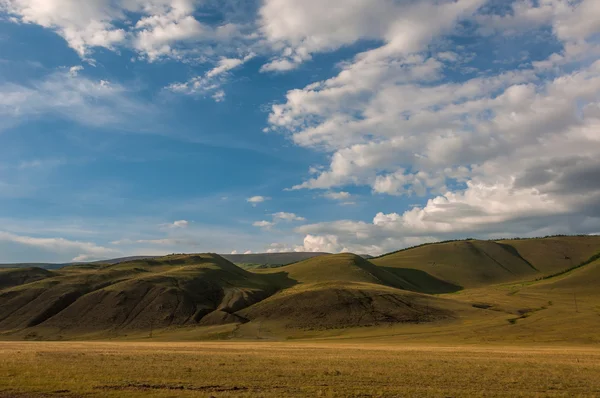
(207, 290)
(19, 276)
(499, 289)
(338, 305)
(137, 295)
(583, 282)
(474, 263)
(344, 291)
(349, 267)
(555, 254)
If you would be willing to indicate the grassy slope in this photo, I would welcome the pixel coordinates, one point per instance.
(337, 267)
(554, 254)
(136, 295)
(473, 263)
(583, 282)
(342, 291)
(328, 293)
(464, 263)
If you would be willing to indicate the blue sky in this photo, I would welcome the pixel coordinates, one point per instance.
(146, 127)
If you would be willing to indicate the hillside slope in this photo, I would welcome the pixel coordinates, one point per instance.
(337, 267)
(343, 291)
(172, 290)
(19, 276)
(464, 263)
(339, 305)
(582, 282)
(555, 254)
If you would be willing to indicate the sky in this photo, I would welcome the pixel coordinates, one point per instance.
(147, 127)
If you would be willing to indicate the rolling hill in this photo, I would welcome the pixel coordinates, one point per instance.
(343, 291)
(474, 263)
(442, 283)
(173, 290)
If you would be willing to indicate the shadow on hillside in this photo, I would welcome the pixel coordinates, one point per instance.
(422, 282)
(280, 280)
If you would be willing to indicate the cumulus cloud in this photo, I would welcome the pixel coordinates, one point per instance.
(181, 224)
(502, 153)
(300, 29)
(153, 28)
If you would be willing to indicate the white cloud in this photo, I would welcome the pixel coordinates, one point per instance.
(153, 28)
(323, 243)
(181, 224)
(283, 216)
(263, 224)
(53, 249)
(212, 80)
(278, 218)
(74, 70)
(337, 195)
(73, 97)
(257, 199)
(505, 154)
(299, 29)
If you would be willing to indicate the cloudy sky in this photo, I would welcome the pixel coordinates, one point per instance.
(157, 126)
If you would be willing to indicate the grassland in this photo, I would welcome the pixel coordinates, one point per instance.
(32, 369)
(465, 318)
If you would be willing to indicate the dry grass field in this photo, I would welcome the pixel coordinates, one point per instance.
(138, 369)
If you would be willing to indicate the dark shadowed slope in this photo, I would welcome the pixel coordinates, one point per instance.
(19, 276)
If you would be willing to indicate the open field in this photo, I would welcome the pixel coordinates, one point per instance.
(135, 369)
(464, 318)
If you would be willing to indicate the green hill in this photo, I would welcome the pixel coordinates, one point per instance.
(343, 291)
(519, 281)
(353, 268)
(338, 305)
(173, 290)
(583, 282)
(474, 263)
(555, 254)
(464, 263)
